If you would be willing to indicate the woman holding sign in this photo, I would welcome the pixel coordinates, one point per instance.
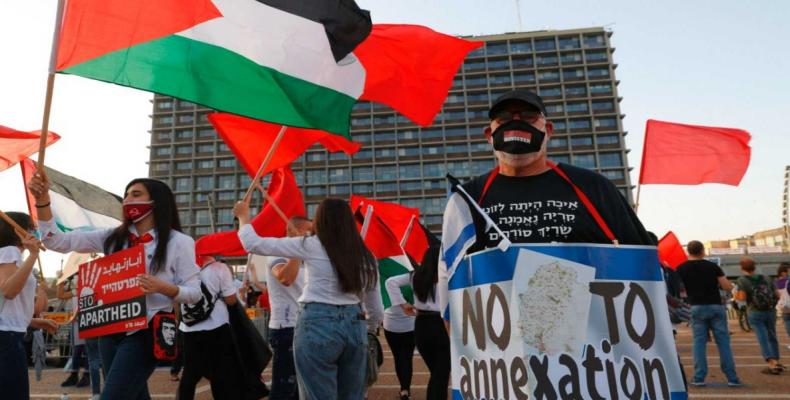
(330, 341)
(433, 343)
(18, 286)
(150, 219)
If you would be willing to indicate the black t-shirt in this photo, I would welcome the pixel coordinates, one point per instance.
(545, 208)
(701, 279)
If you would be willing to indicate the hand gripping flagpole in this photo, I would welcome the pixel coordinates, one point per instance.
(265, 163)
(53, 59)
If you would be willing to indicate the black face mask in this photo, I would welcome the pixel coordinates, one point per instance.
(518, 137)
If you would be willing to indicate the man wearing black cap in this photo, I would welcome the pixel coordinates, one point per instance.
(531, 199)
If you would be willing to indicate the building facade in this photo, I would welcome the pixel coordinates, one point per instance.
(573, 70)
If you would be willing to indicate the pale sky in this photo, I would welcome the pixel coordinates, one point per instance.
(714, 62)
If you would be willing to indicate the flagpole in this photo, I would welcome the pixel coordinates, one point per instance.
(18, 229)
(265, 163)
(53, 58)
(274, 205)
(638, 192)
(408, 231)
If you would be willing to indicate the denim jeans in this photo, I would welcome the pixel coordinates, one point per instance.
(94, 364)
(284, 385)
(786, 319)
(764, 325)
(14, 384)
(711, 317)
(330, 350)
(127, 361)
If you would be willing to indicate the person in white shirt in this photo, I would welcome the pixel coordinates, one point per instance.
(330, 338)
(151, 219)
(285, 282)
(208, 343)
(433, 343)
(18, 287)
(399, 332)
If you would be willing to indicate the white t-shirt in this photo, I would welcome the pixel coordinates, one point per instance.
(393, 285)
(284, 300)
(219, 281)
(16, 313)
(396, 320)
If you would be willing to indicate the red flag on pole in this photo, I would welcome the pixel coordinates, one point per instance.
(16, 146)
(670, 251)
(402, 221)
(267, 223)
(411, 68)
(681, 154)
(249, 140)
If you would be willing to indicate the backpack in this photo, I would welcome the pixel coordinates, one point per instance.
(760, 293)
(192, 314)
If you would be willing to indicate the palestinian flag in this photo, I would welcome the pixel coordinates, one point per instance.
(386, 248)
(76, 205)
(281, 61)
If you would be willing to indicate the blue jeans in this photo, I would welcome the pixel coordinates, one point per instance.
(283, 371)
(14, 384)
(711, 317)
(127, 362)
(764, 325)
(786, 319)
(330, 350)
(94, 364)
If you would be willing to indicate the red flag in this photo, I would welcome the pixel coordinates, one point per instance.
(400, 221)
(670, 251)
(16, 146)
(379, 239)
(411, 68)
(250, 139)
(681, 154)
(267, 223)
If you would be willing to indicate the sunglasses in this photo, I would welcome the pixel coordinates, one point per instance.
(526, 115)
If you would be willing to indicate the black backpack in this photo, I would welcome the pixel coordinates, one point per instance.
(761, 293)
(191, 314)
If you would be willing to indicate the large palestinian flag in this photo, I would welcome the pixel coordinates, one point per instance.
(281, 61)
(76, 205)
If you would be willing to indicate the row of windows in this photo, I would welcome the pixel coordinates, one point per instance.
(521, 46)
(541, 60)
(393, 172)
(605, 160)
(189, 165)
(185, 134)
(481, 115)
(188, 149)
(167, 103)
(529, 77)
(582, 141)
(472, 97)
(180, 119)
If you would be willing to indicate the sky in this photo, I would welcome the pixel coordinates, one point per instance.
(719, 63)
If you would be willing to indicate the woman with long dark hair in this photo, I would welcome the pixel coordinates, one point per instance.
(18, 287)
(433, 343)
(330, 339)
(151, 219)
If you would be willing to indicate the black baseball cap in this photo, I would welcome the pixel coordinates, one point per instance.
(519, 95)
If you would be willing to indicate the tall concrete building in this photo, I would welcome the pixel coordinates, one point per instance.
(573, 70)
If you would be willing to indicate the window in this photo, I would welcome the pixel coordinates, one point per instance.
(474, 65)
(360, 122)
(160, 167)
(459, 168)
(186, 118)
(384, 120)
(553, 109)
(385, 136)
(559, 158)
(550, 91)
(480, 167)
(459, 116)
(608, 139)
(338, 174)
(164, 136)
(577, 107)
(594, 40)
(364, 154)
(581, 141)
(316, 191)
(571, 74)
(456, 133)
(386, 172)
(575, 90)
(204, 182)
(584, 160)
(579, 124)
(560, 126)
(432, 150)
(387, 187)
(362, 188)
(606, 123)
(163, 120)
(183, 133)
(571, 58)
(605, 105)
(205, 148)
(520, 47)
(434, 184)
(408, 152)
(593, 73)
(546, 59)
(184, 149)
(339, 155)
(410, 186)
(185, 216)
(182, 198)
(311, 209)
(339, 190)
(226, 162)
(223, 148)
(545, 76)
(316, 176)
(480, 147)
(226, 196)
(384, 153)
(182, 184)
(226, 182)
(496, 48)
(315, 156)
(610, 160)
(205, 133)
(434, 205)
(162, 151)
(431, 133)
(558, 143)
(185, 105)
(457, 149)
(225, 216)
(203, 118)
(545, 44)
(613, 174)
(500, 80)
(523, 77)
(601, 88)
(498, 64)
(362, 106)
(362, 173)
(522, 62)
(596, 56)
(362, 137)
(183, 165)
(164, 105)
(478, 115)
(458, 82)
(475, 81)
(433, 170)
(408, 135)
(570, 43)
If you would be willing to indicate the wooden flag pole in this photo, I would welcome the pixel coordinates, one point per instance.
(274, 205)
(18, 229)
(53, 59)
(638, 191)
(265, 163)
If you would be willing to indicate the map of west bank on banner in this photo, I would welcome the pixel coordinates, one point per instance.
(562, 321)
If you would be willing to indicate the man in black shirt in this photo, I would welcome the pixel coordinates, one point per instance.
(702, 280)
(529, 198)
